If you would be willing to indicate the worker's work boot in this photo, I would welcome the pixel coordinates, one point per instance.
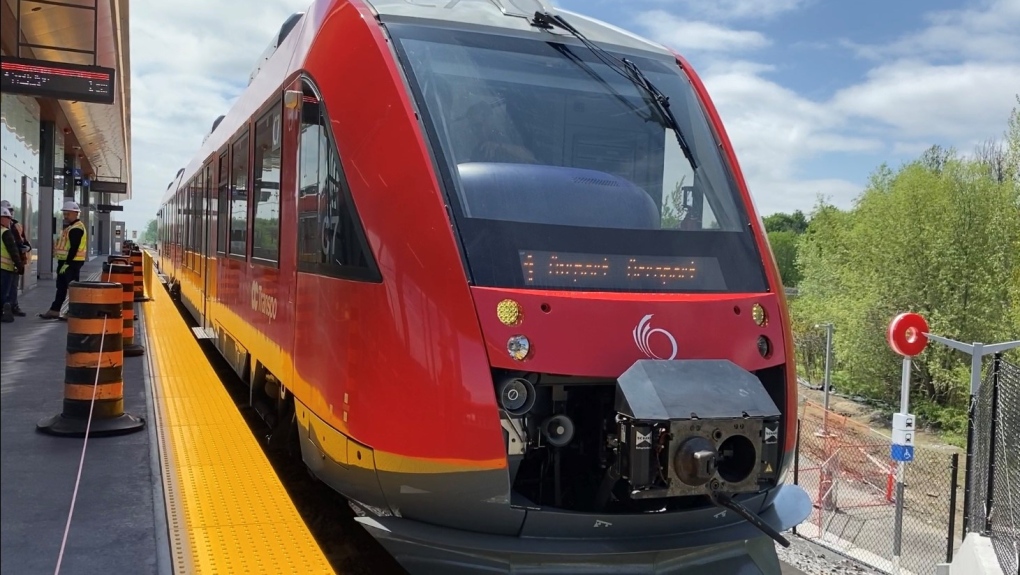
(50, 314)
(16, 310)
(8, 316)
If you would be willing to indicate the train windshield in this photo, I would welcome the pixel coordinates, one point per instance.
(563, 173)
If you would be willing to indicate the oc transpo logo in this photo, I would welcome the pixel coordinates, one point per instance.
(262, 302)
(643, 338)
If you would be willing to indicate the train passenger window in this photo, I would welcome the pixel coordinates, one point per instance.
(185, 233)
(239, 199)
(266, 196)
(194, 216)
(331, 239)
(210, 207)
(223, 200)
(178, 217)
(198, 216)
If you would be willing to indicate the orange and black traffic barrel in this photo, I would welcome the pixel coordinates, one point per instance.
(123, 274)
(136, 261)
(95, 365)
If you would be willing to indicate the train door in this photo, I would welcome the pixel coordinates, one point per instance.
(293, 105)
(205, 244)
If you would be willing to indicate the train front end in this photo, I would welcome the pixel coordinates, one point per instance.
(632, 314)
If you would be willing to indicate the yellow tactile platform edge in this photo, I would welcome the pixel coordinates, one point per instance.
(227, 511)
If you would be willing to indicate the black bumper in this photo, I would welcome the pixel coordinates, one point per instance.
(737, 548)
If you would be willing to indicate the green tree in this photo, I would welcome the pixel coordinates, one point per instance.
(939, 237)
(782, 222)
(784, 247)
(150, 234)
(1013, 175)
(1013, 142)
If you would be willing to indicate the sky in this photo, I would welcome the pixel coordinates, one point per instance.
(815, 94)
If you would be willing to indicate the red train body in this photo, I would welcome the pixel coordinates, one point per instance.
(469, 252)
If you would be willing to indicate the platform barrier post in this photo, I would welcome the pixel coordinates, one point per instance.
(123, 274)
(136, 261)
(95, 365)
(147, 270)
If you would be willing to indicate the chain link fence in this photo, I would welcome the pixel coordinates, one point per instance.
(846, 468)
(994, 483)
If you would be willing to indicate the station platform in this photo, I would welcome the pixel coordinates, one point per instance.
(192, 492)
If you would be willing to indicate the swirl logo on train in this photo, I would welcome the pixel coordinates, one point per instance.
(643, 339)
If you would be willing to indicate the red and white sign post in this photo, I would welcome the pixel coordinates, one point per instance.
(907, 336)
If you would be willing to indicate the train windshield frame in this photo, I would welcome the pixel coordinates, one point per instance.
(561, 173)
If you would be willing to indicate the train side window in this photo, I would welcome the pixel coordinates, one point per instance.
(199, 216)
(331, 238)
(266, 187)
(239, 198)
(194, 216)
(210, 210)
(223, 199)
(176, 220)
(179, 222)
(185, 220)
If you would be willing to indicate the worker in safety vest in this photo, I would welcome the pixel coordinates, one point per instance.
(23, 249)
(10, 264)
(69, 251)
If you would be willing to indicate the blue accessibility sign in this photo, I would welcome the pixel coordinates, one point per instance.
(902, 452)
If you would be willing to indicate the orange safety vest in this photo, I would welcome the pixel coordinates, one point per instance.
(6, 263)
(63, 244)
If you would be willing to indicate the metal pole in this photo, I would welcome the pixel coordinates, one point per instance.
(828, 374)
(954, 470)
(905, 387)
(969, 462)
(796, 465)
(898, 521)
(989, 493)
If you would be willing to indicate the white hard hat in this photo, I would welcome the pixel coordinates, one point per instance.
(4, 212)
(71, 206)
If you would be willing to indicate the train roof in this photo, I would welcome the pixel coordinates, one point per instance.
(511, 15)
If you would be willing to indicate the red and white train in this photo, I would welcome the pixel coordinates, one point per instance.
(496, 265)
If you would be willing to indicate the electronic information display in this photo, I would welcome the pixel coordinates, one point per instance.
(615, 272)
(58, 80)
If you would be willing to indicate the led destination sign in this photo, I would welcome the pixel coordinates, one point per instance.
(598, 271)
(58, 80)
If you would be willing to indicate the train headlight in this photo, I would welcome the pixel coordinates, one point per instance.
(509, 312)
(764, 346)
(519, 347)
(758, 315)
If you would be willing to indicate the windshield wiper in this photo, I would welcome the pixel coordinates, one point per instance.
(630, 71)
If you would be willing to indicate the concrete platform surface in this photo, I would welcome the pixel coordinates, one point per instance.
(118, 523)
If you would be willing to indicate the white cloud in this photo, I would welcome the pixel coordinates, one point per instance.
(989, 33)
(775, 132)
(689, 35)
(961, 103)
(190, 59)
